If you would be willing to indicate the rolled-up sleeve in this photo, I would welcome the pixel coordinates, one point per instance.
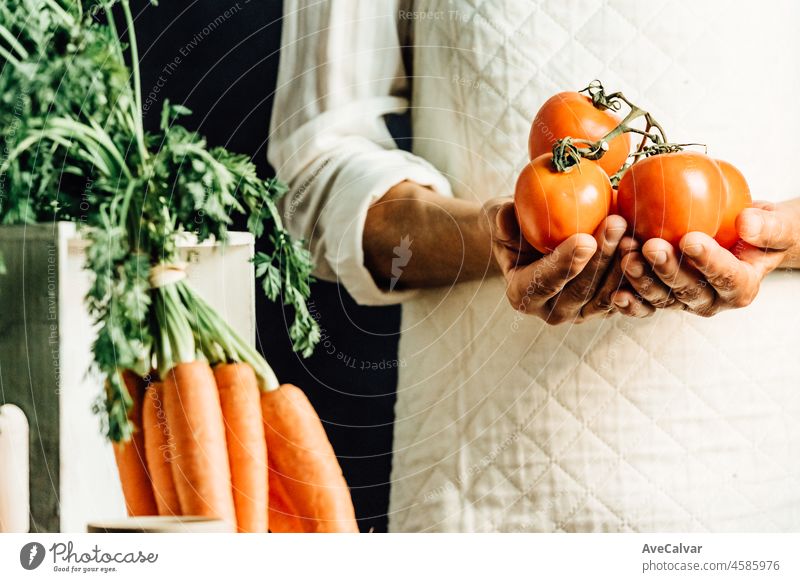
(341, 71)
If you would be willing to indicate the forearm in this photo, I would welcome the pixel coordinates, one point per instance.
(447, 243)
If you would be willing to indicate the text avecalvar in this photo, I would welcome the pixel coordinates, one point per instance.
(671, 549)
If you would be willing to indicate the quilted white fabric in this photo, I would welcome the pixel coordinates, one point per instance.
(674, 423)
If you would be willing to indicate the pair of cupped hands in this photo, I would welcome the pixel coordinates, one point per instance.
(590, 276)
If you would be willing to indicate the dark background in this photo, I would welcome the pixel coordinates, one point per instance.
(226, 75)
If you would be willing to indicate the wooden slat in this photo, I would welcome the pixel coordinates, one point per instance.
(28, 359)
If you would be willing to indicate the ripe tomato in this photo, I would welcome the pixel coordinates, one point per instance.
(614, 207)
(667, 195)
(551, 206)
(738, 199)
(571, 114)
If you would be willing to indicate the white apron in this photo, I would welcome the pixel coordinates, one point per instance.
(668, 423)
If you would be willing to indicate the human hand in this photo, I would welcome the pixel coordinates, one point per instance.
(573, 283)
(706, 278)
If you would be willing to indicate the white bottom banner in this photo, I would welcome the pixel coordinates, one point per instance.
(534, 557)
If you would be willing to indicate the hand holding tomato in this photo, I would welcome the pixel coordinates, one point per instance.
(711, 278)
(573, 283)
(687, 211)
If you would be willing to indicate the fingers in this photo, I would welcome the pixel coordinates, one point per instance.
(686, 284)
(734, 281)
(763, 204)
(510, 248)
(762, 261)
(628, 244)
(584, 286)
(543, 279)
(502, 221)
(563, 264)
(602, 299)
(629, 304)
(602, 302)
(505, 221)
(644, 282)
(766, 229)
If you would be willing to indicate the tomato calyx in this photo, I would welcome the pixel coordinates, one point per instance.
(567, 152)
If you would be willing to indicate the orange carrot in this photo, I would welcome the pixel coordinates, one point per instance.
(303, 460)
(200, 467)
(247, 448)
(160, 449)
(130, 456)
(282, 514)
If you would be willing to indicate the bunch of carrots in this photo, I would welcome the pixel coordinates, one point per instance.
(215, 435)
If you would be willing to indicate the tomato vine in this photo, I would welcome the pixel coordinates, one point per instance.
(568, 151)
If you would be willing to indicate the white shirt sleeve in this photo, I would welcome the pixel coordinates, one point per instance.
(341, 71)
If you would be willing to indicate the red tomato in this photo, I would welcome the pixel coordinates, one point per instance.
(667, 195)
(614, 207)
(571, 114)
(738, 199)
(551, 206)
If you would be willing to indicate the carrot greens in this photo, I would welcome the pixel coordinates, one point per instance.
(73, 147)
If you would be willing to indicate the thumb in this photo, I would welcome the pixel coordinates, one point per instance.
(766, 229)
(500, 218)
(510, 247)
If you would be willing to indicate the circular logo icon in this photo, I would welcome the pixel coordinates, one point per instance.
(31, 555)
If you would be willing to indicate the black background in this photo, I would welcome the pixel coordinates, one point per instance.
(226, 75)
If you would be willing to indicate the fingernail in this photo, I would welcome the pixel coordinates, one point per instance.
(693, 250)
(753, 224)
(657, 257)
(634, 269)
(622, 302)
(582, 253)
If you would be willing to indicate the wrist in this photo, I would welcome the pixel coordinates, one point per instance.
(448, 242)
